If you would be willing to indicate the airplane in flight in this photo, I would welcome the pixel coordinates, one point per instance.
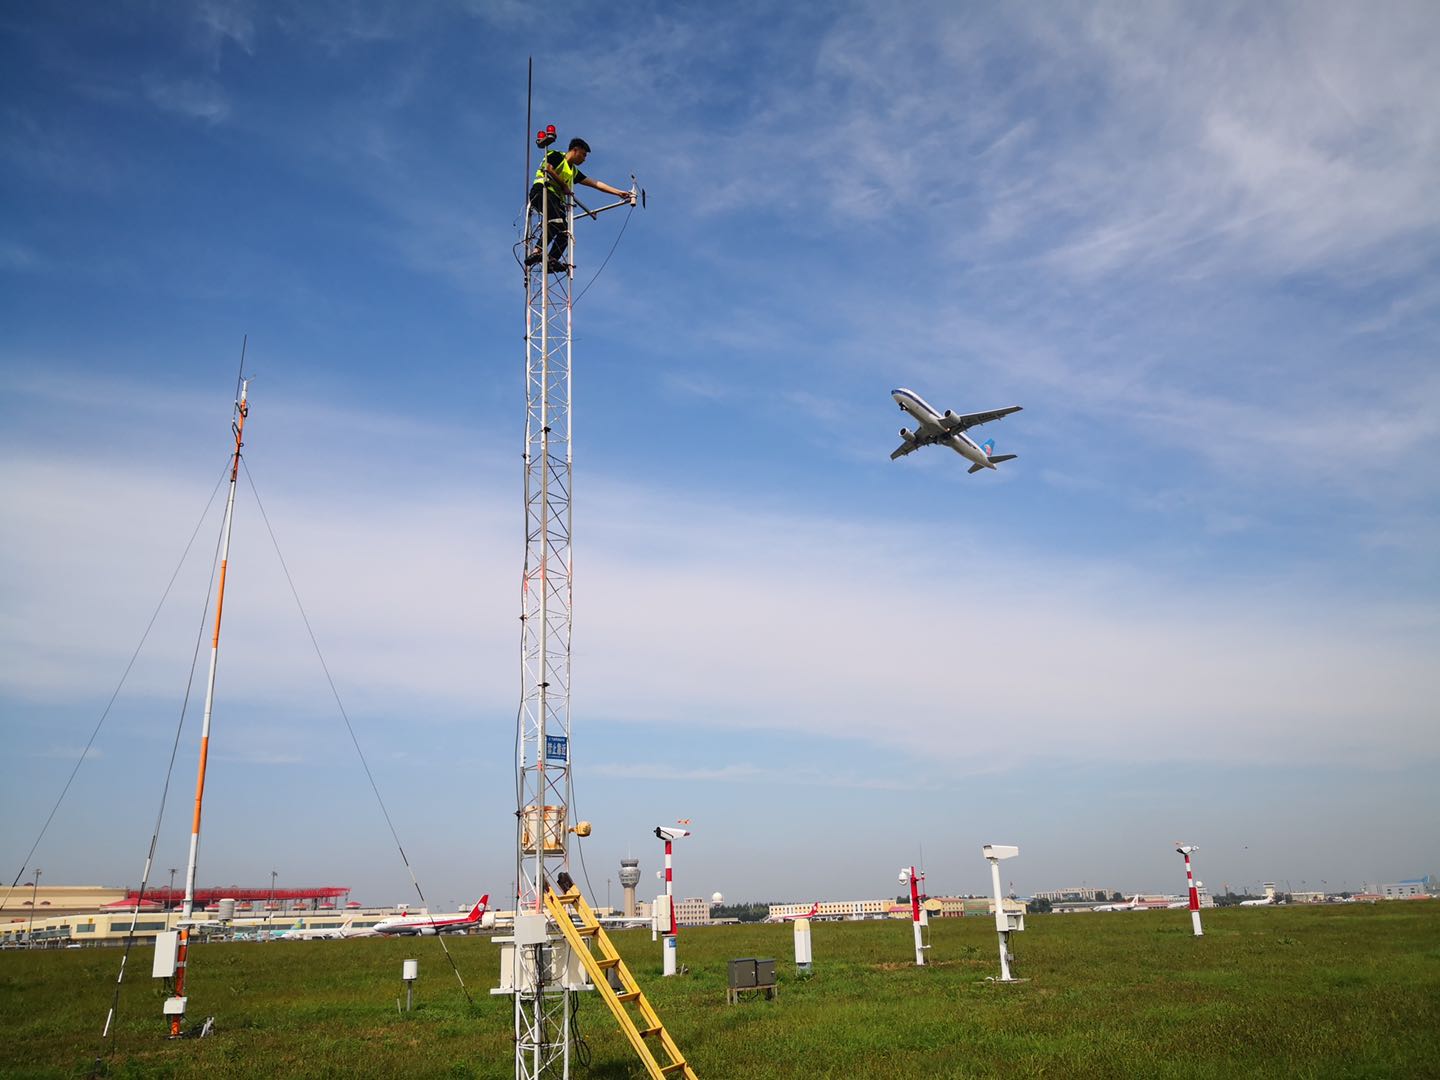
(429, 925)
(947, 429)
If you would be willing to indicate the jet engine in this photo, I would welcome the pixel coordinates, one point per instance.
(949, 415)
(907, 434)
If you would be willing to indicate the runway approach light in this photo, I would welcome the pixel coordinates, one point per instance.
(1006, 923)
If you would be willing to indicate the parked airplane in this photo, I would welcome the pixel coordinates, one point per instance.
(1264, 901)
(947, 429)
(299, 932)
(429, 925)
(814, 911)
(1134, 904)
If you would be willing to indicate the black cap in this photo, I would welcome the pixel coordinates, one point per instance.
(579, 144)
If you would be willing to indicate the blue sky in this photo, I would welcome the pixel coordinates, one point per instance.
(1198, 245)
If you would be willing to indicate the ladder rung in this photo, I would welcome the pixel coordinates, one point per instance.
(632, 995)
(673, 1066)
(607, 962)
(587, 931)
(645, 1033)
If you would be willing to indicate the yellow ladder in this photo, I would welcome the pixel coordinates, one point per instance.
(643, 1027)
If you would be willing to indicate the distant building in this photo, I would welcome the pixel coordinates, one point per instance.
(1402, 890)
(692, 911)
(1074, 893)
(832, 909)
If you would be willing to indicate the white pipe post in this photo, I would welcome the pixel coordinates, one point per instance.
(1001, 927)
(993, 854)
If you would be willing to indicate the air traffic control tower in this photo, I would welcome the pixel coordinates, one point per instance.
(629, 878)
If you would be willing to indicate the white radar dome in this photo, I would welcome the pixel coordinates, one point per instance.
(717, 898)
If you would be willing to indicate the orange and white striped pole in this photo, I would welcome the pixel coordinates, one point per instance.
(177, 1012)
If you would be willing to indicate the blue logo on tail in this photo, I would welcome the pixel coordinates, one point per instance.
(988, 446)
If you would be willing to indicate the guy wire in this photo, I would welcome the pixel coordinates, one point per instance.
(350, 728)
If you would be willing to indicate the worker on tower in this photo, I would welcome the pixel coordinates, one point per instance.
(554, 181)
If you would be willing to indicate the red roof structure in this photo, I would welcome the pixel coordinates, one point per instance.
(214, 893)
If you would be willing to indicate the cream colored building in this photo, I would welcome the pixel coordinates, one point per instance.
(46, 901)
(830, 909)
(692, 911)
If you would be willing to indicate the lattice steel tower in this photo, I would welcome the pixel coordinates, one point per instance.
(541, 986)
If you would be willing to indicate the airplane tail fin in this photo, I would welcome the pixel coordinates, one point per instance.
(479, 909)
(989, 447)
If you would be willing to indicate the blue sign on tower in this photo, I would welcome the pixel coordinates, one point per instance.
(557, 748)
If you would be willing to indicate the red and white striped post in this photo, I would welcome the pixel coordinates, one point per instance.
(1185, 850)
(670, 835)
(909, 874)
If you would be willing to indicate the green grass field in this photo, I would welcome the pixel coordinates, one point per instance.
(1339, 991)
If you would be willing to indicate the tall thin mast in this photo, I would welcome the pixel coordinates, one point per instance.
(543, 811)
(237, 427)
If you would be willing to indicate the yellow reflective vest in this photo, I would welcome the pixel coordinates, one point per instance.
(567, 173)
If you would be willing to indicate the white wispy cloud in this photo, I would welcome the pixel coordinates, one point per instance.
(198, 99)
(747, 773)
(877, 634)
(15, 256)
(215, 25)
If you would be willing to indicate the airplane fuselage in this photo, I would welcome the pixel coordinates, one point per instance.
(929, 429)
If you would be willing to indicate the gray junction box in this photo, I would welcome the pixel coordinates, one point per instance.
(750, 973)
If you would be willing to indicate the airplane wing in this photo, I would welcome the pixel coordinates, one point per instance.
(953, 423)
(907, 447)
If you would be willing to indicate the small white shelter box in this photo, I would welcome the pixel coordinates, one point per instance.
(802, 944)
(662, 913)
(167, 950)
(174, 1006)
(410, 970)
(531, 929)
(558, 961)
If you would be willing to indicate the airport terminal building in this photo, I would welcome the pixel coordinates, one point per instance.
(85, 914)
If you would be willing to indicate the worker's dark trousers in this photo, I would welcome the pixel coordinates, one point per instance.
(559, 238)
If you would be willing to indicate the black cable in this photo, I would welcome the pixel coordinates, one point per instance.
(118, 687)
(350, 728)
(581, 1047)
(607, 257)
